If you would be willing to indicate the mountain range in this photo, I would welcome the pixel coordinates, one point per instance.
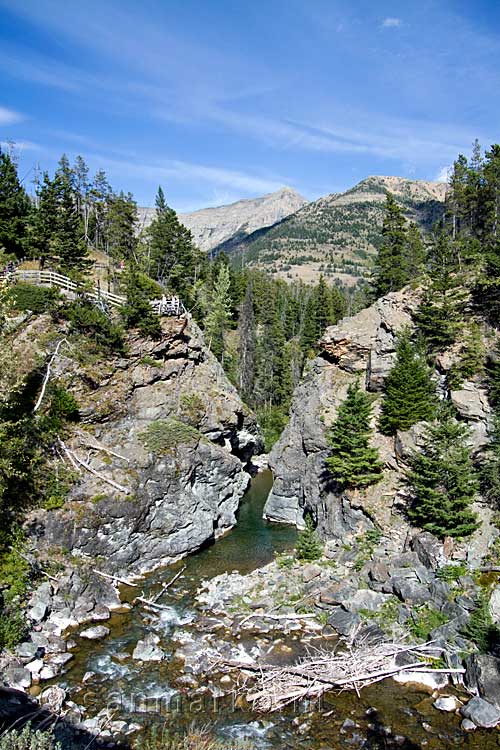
(337, 235)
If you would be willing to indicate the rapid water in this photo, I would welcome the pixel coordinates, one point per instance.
(103, 674)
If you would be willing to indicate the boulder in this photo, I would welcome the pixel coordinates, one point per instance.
(311, 571)
(482, 676)
(38, 612)
(100, 613)
(429, 550)
(53, 697)
(471, 402)
(95, 633)
(27, 650)
(410, 591)
(481, 713)
(338, 593)
(343, 622)
(18, 678)
(365, 599)
(148, 649)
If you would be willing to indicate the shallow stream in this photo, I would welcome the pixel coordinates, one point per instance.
(385, 716)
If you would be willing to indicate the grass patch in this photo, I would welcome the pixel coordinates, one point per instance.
(166, 435)
(424, 620)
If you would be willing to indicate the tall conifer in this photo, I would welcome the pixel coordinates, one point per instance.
(353, 462)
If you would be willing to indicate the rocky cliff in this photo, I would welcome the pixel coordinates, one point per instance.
(360, 347)
(158, 456)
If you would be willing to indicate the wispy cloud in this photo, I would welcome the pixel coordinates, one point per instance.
(9, 117)
(391, 23)
(443, 174)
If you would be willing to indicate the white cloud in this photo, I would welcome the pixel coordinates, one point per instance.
(443, 174)
(9, 117)
(391, 23)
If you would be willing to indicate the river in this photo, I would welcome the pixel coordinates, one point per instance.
(103, 674)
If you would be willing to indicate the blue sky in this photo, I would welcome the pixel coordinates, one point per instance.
(224, 99)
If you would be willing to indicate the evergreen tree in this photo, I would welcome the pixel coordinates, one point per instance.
(414, 253)
(247, 342)
(137, 312)
(14, 209)
(471, 360)
(390, 271)
(174, 260)
(442, 480)
(219, 313)
(309, 336)
(309, 546)
(121, 223)
(440, 314)
(410, 394)
(353, 462)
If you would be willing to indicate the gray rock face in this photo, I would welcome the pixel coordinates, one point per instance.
(482, 676)
(343, 622)
(214, 226)
(182, 486)
(362, 344)
(429, 550)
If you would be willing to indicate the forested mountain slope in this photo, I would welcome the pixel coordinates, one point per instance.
(338, 235)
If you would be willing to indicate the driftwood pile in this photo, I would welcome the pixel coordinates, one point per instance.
(351, 667)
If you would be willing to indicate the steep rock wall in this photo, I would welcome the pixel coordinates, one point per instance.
(361, 347)
(182, 482)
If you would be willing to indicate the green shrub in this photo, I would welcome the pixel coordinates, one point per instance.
(272, 420)
(37, 299)
(163, 436)
(480, 628)
(13, 629)
(309, 546)
(28, 739)
(86, 319)
(193, 408)
(424, 620)
(451, 572)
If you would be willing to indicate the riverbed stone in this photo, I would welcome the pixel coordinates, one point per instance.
(148, 649)
(446, 703)
(18, 678)
(311, 571)
(481, 712)
(100, 613)
(338, 593)
(27, 650)
(95, 633)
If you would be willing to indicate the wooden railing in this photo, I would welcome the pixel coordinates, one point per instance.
(169, 306)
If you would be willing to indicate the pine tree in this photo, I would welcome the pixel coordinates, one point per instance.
(414, 253)
(309, 546)
(137, 312)
(410, 395)
(471, 360)
(353, 462)
(15, 209)
(390, 271)
(247, 342)
(174, 260)
(121, 224)
(219, 313)
(442, 480)
(440, 314)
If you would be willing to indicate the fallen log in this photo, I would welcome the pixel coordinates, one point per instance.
(124, 581)
(358, 666)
